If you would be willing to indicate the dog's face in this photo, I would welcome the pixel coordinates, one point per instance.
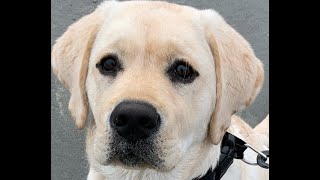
(159, 79)
(162, 66)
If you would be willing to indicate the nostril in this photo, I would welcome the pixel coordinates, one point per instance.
(121, 120)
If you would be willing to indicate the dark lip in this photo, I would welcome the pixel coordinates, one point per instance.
(140, 154)
(129, 160)
(133, 159)
(125, 165)
(131, 156)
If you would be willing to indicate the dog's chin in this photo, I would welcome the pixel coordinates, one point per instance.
(132, 162)
(139, 155)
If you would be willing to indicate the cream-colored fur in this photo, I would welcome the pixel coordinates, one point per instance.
(148, 37)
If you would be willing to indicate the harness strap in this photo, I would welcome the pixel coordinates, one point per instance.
(231, 147)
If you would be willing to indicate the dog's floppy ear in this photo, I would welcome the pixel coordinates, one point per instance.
(239, 73)
(69, 59)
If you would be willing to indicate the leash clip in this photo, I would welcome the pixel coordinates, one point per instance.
(261, 158)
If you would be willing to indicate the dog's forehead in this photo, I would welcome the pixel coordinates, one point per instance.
(151, 28)
(156, 12)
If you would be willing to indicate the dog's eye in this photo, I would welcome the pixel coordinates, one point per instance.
(181, 71)
(109, 65)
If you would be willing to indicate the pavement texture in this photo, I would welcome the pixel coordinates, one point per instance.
(68, 159)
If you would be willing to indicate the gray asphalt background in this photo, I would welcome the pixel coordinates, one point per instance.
(68, 159)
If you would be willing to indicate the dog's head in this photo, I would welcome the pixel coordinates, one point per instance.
(159, 79)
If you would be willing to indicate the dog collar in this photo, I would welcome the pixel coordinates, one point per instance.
(233, 147)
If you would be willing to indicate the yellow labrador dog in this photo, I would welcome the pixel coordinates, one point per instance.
(163, 82)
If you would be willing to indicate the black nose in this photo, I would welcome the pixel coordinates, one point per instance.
(135, 120)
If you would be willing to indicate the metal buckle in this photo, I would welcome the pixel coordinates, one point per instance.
(261, 158)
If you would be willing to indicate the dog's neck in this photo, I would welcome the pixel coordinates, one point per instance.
(195, 163)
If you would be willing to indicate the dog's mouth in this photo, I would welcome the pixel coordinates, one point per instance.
(132, 159)
(136, 155)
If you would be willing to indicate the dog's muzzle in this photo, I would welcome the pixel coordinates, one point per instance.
(134, 126)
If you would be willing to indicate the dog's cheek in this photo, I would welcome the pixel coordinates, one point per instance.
(190, 112)
(96, 88)
(168, 140)
(92, 93)
(98, 137)
(167, 150)
(102, 136)
(203, 107)
(98, 148)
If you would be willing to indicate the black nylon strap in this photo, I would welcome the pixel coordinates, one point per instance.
(231, 147)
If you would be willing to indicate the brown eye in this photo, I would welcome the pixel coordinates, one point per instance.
(181, 71)
(109, 65)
